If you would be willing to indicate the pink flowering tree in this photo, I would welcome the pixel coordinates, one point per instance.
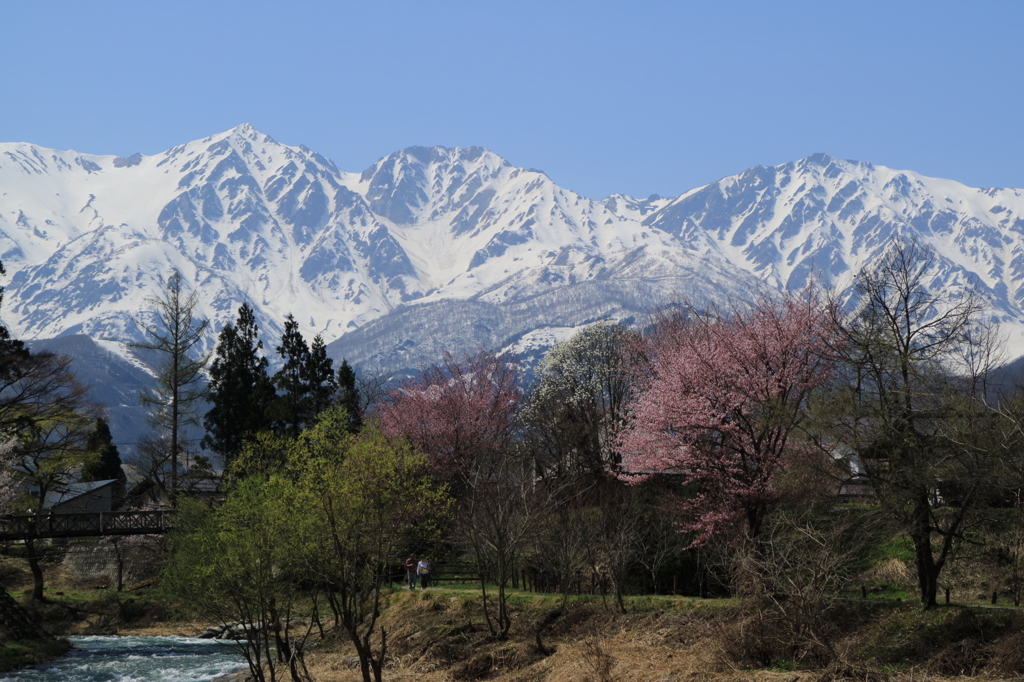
(458, 412)
(462, 413)
(724, 398)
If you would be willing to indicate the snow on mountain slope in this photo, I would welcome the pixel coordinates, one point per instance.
(435, 247)
(467, 220)
(825, 219)
(242, 217)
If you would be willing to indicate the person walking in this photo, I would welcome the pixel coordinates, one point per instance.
(423, 570)
(410, 572)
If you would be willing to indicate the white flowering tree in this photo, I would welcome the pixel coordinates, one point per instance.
(576, 407)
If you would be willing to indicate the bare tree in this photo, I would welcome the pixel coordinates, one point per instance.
(175, 399)
(909, 412)
(560, 553)
(151, 464)
(372, 389)
(503, 507)
(617, 524)
(805, 555)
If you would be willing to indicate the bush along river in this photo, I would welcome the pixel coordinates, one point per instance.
(136, 659)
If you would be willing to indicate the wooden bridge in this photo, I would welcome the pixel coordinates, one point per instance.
(32, 526)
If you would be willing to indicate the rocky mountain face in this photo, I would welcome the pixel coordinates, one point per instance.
(436, 248)
(825, 218)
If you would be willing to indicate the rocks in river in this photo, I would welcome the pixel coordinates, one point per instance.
(229, 631)
(237, 676)
(238, 630)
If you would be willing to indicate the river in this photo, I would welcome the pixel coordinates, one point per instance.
(136, 659)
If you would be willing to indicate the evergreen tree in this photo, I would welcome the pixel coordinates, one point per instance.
(240, 388)
(348, 396)
(12, 351)
(292, 405)
(107, 463)
(319, 378)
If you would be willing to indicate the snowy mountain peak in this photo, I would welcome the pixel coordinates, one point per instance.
(823, 218)
(87, 239)
(429, 180)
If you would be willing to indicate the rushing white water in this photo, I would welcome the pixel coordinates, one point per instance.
(136, 659)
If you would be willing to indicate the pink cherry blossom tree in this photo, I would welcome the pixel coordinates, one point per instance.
(458, 411)
(724, 397)
(462, 413)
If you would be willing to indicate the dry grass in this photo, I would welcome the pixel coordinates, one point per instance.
(440, 636)
(442, 639)
(892, 570)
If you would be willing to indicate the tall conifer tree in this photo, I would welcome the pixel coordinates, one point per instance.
(240, 388)
(292, 405)
(348, 396)
(107, 464)
(319, 375)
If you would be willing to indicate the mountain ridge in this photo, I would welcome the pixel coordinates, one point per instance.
(87, 238)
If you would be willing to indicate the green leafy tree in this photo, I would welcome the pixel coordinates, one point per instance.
(239, 389)
(241, 563)
(327, 511)
(175, 337)
(368, 497)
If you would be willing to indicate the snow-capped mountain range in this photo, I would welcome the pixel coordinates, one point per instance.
(455, 248)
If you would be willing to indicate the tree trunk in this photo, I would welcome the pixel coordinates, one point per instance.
(619, 599)
(504, 619)
(921, 535)
(119, 558)
(483, 600)
(37, 570)
(378, 663)
(174, 441)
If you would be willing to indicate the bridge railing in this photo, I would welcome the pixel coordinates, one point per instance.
(26, 526)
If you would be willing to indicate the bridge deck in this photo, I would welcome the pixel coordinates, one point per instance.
(24, 526)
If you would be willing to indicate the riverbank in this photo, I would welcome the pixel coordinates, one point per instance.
(26, 652)
(22, 641)
(441, 635)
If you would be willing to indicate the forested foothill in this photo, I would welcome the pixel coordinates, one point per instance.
(793, 482)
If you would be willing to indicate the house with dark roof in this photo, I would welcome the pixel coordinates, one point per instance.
(78, 498)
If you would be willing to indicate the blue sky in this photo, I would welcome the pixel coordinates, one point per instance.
(634, 97)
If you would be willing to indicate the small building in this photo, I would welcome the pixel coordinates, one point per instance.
(857, 490)
(78, 498)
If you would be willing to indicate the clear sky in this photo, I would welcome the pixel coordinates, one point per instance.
(634, 97)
